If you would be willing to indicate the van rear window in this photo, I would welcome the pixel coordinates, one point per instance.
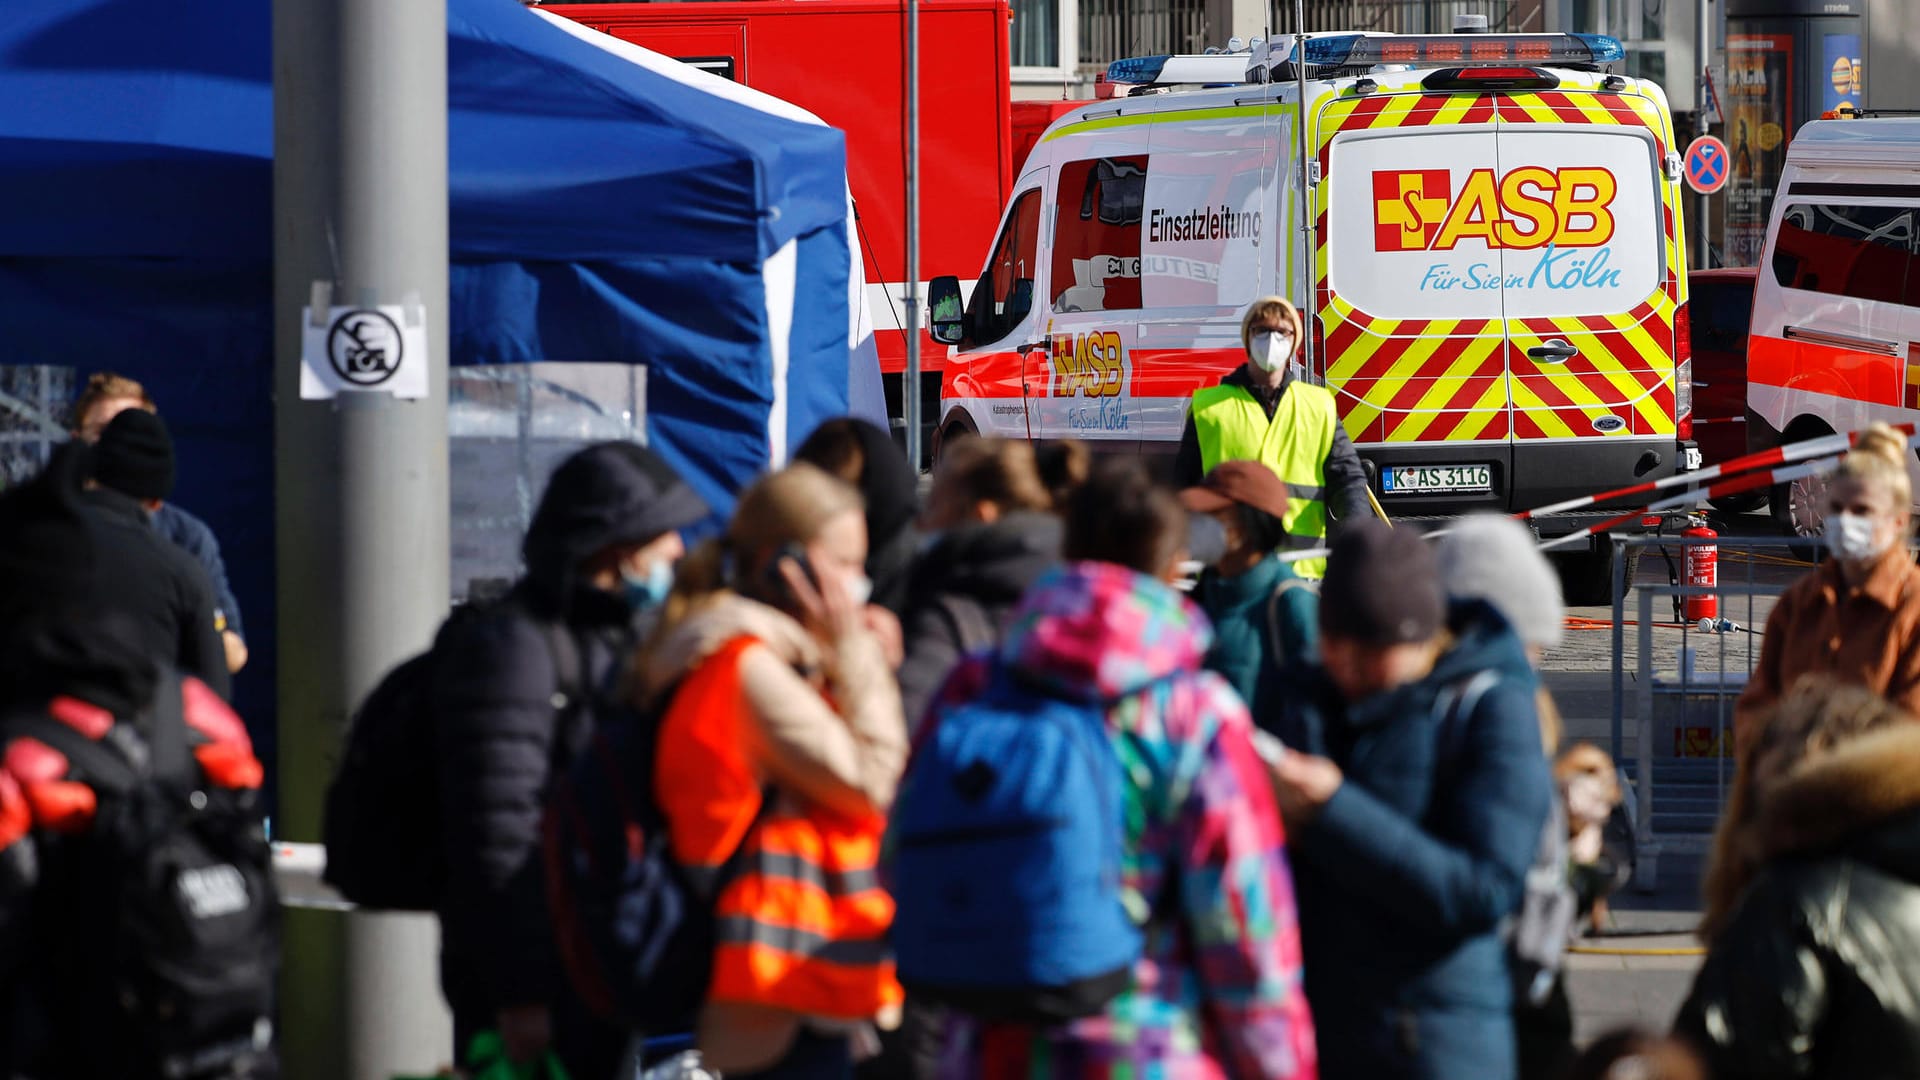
(1865, 252)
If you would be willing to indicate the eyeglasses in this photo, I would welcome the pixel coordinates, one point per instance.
(1281, 330)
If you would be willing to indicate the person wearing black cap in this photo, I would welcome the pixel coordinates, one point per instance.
(73, 654)
(1415, 791)
(867, 457)
(157, 583)
(600, 556)
(1264, 614)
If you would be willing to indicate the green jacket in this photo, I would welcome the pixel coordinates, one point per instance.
(1265, 632)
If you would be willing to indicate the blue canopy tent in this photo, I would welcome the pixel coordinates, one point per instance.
(599, 212)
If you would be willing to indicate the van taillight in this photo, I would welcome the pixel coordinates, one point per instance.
(1683, 371)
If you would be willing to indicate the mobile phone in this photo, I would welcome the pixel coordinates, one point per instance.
(778, 592)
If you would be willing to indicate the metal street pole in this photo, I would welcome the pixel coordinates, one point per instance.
(361, 497)
(1704, 37)
(1309, 314)
(910, 387)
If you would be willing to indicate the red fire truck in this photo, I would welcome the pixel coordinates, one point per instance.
(843, 61)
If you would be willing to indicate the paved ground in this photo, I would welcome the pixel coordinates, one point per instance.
(1630, 975)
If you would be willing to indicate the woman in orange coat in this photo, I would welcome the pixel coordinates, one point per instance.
(779, 750)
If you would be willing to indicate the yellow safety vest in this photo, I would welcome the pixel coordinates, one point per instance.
(1231, 425)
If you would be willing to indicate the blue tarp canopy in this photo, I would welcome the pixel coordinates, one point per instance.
(599, 212)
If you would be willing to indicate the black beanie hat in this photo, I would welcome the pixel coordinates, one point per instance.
(1382, 586)
(135, 456)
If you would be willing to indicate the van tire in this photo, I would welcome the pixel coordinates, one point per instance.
(1744, 503)
(1586, 577)
(1799, 507)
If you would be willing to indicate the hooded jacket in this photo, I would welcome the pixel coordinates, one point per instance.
(963, 589)
(494, 684)
(821, 727)
(142, 574)
(1409, 871)
(1814, 975)
(1217, 989)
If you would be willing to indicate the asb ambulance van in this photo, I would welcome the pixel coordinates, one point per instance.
(1835, 339)
(1486, 228)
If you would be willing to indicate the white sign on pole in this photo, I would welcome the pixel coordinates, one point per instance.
(1713, 102)
(362, 349)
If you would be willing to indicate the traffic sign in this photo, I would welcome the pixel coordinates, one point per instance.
(1707, 165)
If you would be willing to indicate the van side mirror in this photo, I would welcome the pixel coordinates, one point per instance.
(944, 311)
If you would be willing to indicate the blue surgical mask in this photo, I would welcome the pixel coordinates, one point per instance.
(647, 591)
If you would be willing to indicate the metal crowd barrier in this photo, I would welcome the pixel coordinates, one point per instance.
(1687, 676)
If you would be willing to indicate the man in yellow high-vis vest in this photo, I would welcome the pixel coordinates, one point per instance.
(1262, 412)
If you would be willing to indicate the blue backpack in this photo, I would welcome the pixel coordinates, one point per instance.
(1007, 840)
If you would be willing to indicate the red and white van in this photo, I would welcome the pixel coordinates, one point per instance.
(1491, 246)
(1835, 341)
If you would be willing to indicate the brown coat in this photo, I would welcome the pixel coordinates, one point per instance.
(1868, 635)
(826, 730)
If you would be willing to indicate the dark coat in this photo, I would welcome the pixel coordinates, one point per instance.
(194, 537)
(975, 573)
(1815, 974)
(496, 675)
(142, 574)
(1408, 873)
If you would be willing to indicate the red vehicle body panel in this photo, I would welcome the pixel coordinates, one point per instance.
(843, 61)
(1722, 306)
(1030, 121)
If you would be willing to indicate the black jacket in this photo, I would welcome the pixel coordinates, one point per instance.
(495, 679)
(1346, 477)
(975, 574)
(1817, 973)
(166, 593)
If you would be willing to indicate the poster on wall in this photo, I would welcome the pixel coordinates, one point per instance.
(1840, 89)
(1759, 120)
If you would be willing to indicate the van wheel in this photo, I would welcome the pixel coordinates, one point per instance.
(1744, 503)
(952, 433)
(1586, 577)
(1800, 508)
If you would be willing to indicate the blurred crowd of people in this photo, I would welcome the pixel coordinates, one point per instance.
(1057, 772)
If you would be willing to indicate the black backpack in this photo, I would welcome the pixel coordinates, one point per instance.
(635, 930)
(166, 910)
(381, 825)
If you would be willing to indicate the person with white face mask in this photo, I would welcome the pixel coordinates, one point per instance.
(1857, 616)
(1266, 410)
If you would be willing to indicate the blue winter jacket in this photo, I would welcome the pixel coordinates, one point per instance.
(1408, 875)
(1251, 619)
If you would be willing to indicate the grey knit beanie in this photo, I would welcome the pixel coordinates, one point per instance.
(1493, 558)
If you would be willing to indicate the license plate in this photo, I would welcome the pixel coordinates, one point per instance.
(1436, 479)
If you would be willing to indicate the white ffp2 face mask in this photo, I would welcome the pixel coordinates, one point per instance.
(1270, 350)
(1851, 536)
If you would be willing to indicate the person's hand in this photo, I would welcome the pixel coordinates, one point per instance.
(526, 1031)
(1302, 784)
(236, 650)
(825, 600)
(884, 625)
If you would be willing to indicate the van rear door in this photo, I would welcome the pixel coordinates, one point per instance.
(1415, 349)
(1589, 295)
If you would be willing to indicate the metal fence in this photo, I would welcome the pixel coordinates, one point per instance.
(1114, 29)
(1686, 676)
(1407, 16)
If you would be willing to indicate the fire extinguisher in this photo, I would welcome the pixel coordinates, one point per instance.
(1702, 570)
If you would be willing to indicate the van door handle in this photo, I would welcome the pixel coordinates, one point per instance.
(1553, 352)
(1841, 341)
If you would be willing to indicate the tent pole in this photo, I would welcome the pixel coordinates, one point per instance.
(910, 382)
(361, 495)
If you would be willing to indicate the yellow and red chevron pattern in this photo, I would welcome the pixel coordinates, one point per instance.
(1435, 380)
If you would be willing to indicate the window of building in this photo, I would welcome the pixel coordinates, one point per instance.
(1004, 296)
(1859, 251)
(1036, 33)
(1096, 234)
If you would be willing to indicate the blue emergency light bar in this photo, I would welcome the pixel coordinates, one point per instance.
(1366, 50)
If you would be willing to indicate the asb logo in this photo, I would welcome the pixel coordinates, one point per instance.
(1088, 365)
(1528, 207)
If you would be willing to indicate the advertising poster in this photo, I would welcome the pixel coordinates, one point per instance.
(1840, 87)
(1759, 120)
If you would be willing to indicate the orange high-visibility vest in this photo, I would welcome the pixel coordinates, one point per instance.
(802, 924)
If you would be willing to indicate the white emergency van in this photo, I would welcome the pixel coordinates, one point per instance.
(1485, 228)
(1835, 339)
